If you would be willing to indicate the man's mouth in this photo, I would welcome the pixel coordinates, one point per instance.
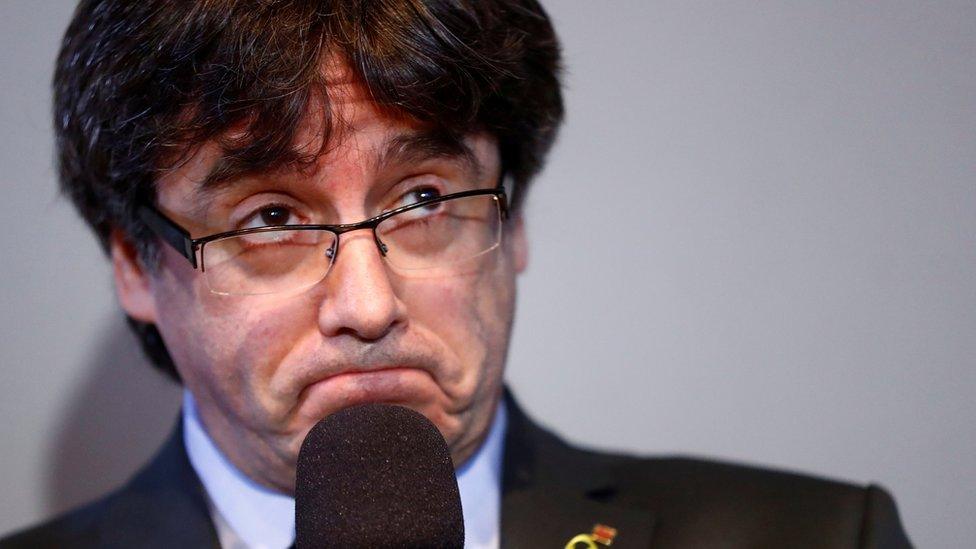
(394, 384)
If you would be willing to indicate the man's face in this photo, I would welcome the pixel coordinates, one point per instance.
(264, 369)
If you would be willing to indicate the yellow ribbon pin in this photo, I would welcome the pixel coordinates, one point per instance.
(601, 534)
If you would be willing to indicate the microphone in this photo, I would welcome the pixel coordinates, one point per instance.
(377, 476)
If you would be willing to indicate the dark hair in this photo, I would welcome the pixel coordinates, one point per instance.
(139, 85)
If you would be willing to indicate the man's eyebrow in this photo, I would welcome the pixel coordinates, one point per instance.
(224, 172)
(415, 147)
(405, 148)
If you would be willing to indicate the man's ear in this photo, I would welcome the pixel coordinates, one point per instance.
(132, 284)
(519, 243)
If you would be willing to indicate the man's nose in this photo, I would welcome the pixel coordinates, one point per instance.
(360, 298)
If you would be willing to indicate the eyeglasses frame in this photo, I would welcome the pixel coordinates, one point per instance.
(179, 238)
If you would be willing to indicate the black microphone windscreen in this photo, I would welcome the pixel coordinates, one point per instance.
(378, 476)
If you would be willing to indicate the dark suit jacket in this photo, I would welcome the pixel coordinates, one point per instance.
(550, 492)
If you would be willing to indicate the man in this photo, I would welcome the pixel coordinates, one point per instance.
(310, 205)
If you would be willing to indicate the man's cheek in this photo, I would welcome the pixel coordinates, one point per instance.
(257, 327)
(445, 301)
(238, 349)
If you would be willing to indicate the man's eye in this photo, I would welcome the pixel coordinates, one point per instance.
(270, 216)
(419, 194)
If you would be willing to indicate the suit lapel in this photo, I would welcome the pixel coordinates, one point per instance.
(162, 506)
(552, 492)
(550, 518)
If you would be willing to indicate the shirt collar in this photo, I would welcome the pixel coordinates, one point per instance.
(479, 481)
(258, 517)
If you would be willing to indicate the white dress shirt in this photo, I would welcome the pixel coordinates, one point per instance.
(249, 516)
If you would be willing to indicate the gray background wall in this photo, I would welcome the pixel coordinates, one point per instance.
(755, 240)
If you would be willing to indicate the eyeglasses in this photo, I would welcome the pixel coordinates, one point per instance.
(440, 234)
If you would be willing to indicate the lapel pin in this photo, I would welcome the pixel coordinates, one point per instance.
(601, 534)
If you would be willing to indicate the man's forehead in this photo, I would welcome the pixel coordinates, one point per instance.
(341, 81)
(345, 122)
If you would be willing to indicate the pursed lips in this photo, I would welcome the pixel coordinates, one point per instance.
(375, 371)
(392, 369)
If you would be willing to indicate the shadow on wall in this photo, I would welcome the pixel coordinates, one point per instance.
(117, 417)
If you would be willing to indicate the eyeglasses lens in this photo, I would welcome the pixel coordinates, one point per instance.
(442, 236)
